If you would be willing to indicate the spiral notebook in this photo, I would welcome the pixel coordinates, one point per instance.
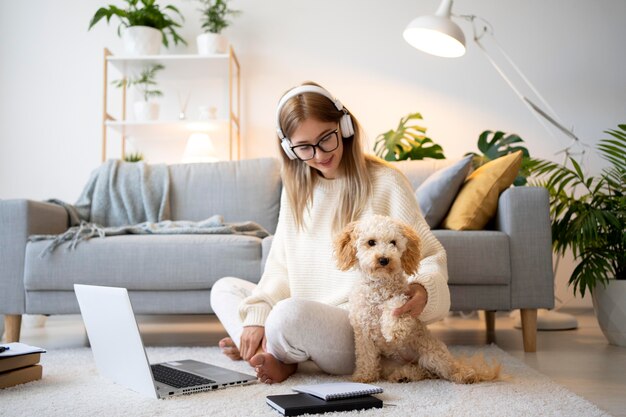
(337, 390)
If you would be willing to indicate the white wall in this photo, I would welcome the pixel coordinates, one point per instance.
(51, 76)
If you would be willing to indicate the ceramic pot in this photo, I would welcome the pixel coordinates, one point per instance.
(211, 43)
(146, 111)
(142, 40)
(609, 304)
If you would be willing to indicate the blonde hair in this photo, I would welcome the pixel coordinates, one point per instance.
(299, 179)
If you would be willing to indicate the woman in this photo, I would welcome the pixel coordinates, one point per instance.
(297, 311)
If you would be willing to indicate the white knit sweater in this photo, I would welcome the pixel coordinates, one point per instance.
(301, 262)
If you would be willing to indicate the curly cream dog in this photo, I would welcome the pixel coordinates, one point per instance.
(386, 251)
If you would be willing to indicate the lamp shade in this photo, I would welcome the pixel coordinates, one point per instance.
(436, 34)
(199, 149)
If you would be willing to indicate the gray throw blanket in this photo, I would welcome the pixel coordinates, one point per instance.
(132, 198)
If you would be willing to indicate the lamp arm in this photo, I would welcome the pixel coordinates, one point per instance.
(534, 108)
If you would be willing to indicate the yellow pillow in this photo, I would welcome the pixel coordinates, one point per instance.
(477, 201)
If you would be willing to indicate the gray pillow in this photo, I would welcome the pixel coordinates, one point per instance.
(436, 194)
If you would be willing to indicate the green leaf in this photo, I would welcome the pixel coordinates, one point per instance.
(408, 141)
(499, 145)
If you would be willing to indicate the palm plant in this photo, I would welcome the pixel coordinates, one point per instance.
(589, 213)
(499, 145)
(407, 142)
(215, 15)
(142, 13)
(144, 82)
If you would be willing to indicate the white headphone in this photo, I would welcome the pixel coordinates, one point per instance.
(345, 123)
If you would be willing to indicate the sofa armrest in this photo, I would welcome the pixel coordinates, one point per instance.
(18, 220)
(524, 215)
(266, 245)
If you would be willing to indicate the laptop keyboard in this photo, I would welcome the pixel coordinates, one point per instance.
(176, 378)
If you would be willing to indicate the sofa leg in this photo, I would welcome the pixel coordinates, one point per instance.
(529, 329)
(490, 321)
(12, 327)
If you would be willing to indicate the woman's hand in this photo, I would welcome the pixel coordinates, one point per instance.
(416, 303)
(251, 340)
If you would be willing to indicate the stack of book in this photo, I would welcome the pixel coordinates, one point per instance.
(19, 363)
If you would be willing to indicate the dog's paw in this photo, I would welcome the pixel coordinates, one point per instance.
(364, 377)
(398, 376)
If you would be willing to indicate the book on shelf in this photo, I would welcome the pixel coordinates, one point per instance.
(336, 390)
(297, 404)
(20, 376)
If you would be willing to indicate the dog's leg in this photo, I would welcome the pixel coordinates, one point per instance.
(409, 372)
(433, 354)
(367, 367)
(397, 330)
(435, 357)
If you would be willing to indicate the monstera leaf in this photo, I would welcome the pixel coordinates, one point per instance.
(407, 142)
(499, 145)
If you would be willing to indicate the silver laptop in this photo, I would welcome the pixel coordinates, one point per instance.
(120, 355)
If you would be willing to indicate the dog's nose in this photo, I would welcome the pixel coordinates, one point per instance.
(383, 261)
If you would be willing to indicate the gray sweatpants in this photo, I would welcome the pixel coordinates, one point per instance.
(296, 330)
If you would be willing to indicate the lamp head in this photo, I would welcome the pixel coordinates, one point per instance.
(436, 34)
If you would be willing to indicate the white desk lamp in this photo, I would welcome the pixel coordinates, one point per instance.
(438, 35)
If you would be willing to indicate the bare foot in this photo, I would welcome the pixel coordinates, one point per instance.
(270, 370)
(230, 349)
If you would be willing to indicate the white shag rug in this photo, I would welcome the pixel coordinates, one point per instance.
(71, 386)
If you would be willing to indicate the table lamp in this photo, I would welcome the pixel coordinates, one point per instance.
(199, 148)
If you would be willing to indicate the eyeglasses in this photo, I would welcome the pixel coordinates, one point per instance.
(328, 143)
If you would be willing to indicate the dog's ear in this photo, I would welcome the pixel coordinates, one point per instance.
(412, 254)
(345, 249)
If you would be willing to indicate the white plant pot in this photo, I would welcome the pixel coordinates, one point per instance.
(610, 306)
(211, 43)
(142, 40)
(146, 111)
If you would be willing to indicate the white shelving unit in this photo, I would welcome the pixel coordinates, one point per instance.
(179, 67)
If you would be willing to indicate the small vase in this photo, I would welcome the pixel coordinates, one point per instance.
(146, 111)
(142, 40)
(610, 306)
(211, 43)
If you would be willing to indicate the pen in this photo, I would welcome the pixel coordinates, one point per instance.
(3, 348)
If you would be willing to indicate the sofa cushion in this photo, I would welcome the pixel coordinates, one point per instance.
(436, 194)
(476, 257)
(144, 262)
(246, 190)
(477, 201)
(417, 171)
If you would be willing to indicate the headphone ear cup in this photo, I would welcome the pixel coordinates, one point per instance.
(286, 147)
(347, 127)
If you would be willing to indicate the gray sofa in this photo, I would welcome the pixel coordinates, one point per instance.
(506, 267)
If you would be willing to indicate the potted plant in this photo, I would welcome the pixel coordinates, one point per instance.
(215, 15)
(133, 157)
(143, 25)
(407, 142)
(589, 217)
(499, 145)
(145, 83)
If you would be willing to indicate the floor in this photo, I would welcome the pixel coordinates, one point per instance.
(580, 359)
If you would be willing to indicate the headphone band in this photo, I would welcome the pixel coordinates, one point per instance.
(300, 90)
